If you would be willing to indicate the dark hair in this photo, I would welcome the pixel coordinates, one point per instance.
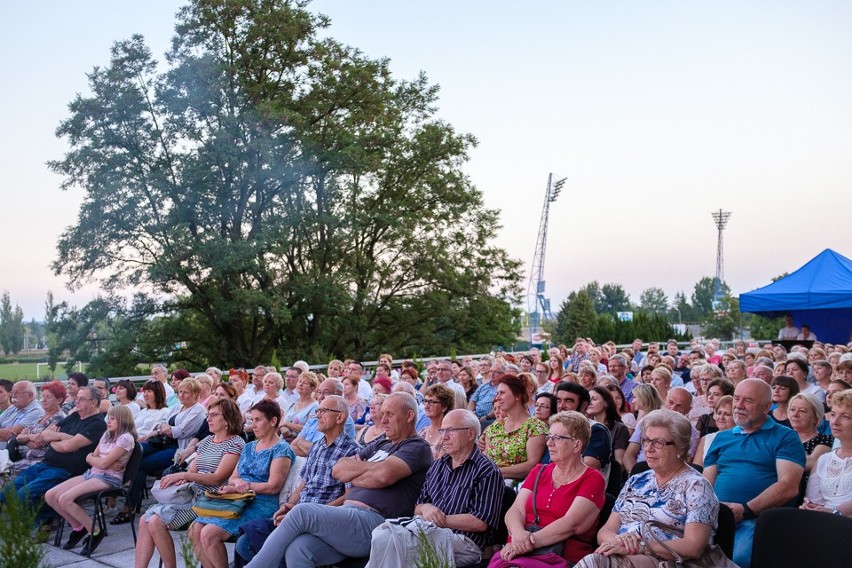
(129, 387)
(159, 391)
(579, 390)
(624, 407)
(6, 385)
(612, 415)
(231, 413)
(649, 368)
(799, 363)
(552, 398)
(788, 382)
(180, 374)
(268, 408)
(232, 392)
(726, 386)
(80, 378)
(518, 385)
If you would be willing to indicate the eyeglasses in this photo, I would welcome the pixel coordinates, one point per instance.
(658, 443)
(321, 411)
(557, 438)
(547, 405)
(212, 414)
(82, 398)
(446, 431)
(431, 401)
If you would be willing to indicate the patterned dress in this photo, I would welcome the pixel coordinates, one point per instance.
(510, 448)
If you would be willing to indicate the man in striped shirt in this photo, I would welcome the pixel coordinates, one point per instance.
(459, 505)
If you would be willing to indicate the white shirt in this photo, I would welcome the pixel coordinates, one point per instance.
(791, 332)
(454, 385)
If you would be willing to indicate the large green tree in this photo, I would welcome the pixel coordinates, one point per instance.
(11, 326)
(702, 296)
(654, 300)
(576, 318)
(614, 298)
(286, 195)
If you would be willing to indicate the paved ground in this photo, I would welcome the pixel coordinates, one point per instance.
(116, 551)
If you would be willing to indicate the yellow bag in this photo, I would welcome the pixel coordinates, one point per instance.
(222, 505)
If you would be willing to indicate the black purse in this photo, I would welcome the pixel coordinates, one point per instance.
(14, 449)
(161, 442)
(556, 548)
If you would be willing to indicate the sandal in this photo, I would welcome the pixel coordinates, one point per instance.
(122, 517)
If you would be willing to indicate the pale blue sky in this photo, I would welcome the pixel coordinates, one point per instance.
(657, 112)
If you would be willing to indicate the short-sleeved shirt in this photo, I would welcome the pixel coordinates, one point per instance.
(553, 503)
(320, 485)
(484, 399)
(210, 454)
(746, 463)
(91, 428)
(510, 448)
(398, 499)
(126, 443)
(475, 488)
(686, 498)
(23, 417)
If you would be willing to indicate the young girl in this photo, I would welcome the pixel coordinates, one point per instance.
(106, 472)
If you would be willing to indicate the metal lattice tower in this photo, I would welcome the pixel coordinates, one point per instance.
(721, 219)
(538, 307)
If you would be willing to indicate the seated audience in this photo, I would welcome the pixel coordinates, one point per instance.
(30, 443)
(459, 506)
(670, 492)
(563, 498)
(723, 418)
(386, 479)
(830, 483)
(437, 401)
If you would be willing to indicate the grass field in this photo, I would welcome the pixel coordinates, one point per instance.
(27, 371)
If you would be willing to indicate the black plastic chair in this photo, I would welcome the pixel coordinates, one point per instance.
(617, 477)
(98, 515)
(791, 538)
(725, 531)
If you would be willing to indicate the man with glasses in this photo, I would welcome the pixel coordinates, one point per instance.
(482, 401)
(618, 369)
(291, 378)
(317, 485)
(75, 437)
(386, 477)
(311, 433)
(544, 386)
(598, 453)
(25, 411)
(459, 506)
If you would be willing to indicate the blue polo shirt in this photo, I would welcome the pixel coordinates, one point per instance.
(746, 462)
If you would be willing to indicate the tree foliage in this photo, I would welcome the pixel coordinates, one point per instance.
(614, 298)
(11, 326)
(285, 194)
(576, 318)
(702, 296)
(654, 300)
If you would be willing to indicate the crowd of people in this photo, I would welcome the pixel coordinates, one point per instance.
(511, 459)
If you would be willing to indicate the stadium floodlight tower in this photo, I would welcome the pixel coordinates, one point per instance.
(538, 307)
(721, 219)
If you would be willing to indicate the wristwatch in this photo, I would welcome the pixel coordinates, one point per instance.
(748, 514)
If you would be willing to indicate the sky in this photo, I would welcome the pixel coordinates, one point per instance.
(657, 112)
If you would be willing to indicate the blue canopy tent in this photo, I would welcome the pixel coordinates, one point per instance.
(818, 294)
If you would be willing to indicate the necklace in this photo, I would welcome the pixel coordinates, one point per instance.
(671, 476)
(567, 477)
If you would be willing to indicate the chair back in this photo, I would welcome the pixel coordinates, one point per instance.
(617, 477)
(133, 464)
(606, 510)
(725, 530)
(790, 538)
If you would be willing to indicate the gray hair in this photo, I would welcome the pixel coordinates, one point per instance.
(28, 386)
(676, 423)
(408, 401)
(813, 403)
(302, 366)
(620, 357)
(402, 386)
(338, 385)
(339, 403)
(714, 370)
(216, 370)
(94, 393)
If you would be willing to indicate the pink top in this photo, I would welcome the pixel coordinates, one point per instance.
(116, 470)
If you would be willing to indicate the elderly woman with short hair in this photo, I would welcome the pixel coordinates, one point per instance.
(671, 493)
(437, 401)
(568, 499)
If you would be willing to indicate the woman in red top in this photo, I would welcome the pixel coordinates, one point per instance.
(568, 501)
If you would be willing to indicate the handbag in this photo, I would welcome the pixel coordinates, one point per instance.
(557, 547)
(173, 494)
(14, 449)
(713, 557)
(222, 505)
(161, 442)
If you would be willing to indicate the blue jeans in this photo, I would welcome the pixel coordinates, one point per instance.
(743, 541)
(33, 482)
(315, 535)
(153, 462)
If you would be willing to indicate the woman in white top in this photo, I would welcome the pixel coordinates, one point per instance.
(156, 411)
(125, 394)
(830, 483)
